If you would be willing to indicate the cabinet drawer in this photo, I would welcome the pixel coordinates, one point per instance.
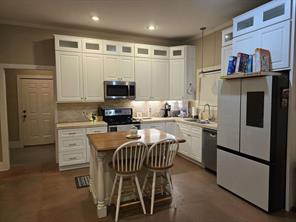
(72, 157)
(70, 143)
(71, 132)
(96, 130)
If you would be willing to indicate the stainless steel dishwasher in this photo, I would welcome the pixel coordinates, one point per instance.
(209, 149)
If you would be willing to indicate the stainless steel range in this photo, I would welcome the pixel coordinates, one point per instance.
(119, 119)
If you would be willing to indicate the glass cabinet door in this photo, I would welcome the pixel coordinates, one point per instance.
(142, 50)
(177, 52)
(111, 47)
(160, 52)
(67, 43)
(126, 49)
(92, 45)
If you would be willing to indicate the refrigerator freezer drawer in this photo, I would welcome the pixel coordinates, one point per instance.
(244, 177)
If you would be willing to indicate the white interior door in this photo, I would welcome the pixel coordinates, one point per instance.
(36, 111)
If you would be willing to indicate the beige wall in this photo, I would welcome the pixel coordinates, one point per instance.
(24, 45)
(212, 50)
(12, 98)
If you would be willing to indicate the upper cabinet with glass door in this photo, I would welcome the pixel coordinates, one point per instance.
(126, 49)
(110, 47)
(92, 45)
(67, 43)
(143, 50)
(263, 16)
(177, 52)
(160, 52)
(227, 36)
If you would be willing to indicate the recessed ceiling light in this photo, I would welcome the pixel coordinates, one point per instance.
(151, 27)
(95, 18)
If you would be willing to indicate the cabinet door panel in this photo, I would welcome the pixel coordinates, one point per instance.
(92, 45)
(111, 68)
(69, 76)
(93, 78)
(160, 80)
(196, 147)
(111, 47)
(276, 39)
(177, 72)
(246, 43)
(143, 78)
(127, 68)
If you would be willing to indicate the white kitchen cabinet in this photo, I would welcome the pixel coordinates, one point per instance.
(110, 47)
(93, 78)
(159, 79)
(92, 45)
(73, 146)
(177, 52)
(227, 36)
(246, 43)
(118, 68)
(126, 68)
(171, 128)
(68, 43)
(183, 74)
(69, 76)
(177, 67)
(126, 49)
(275, 12)
(192, 148)
(143, 50)
(226, 52)
(275, 38)
(143, 78)
(111, 68)
(160, 52)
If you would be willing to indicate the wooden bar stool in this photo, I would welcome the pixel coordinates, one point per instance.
(160, 159)
(127, 161)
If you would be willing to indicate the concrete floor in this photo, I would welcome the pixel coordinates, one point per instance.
(40, 192)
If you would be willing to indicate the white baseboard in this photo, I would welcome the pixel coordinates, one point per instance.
(15, 144)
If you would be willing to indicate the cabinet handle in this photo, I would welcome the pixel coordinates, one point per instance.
(72, 133)
(73, 158)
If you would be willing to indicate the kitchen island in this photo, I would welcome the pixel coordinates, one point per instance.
(102, 147)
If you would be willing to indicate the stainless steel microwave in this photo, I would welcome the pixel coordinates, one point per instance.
(119, 90)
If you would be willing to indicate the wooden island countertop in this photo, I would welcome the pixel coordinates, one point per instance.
(112, 140)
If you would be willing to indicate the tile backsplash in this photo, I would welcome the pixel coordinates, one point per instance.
(73, 112)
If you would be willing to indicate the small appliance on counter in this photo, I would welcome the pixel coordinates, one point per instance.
(166, 110)
(194, 112)
(119, 119)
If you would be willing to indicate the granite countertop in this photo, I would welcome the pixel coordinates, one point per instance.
(80, 124)
(211, 125)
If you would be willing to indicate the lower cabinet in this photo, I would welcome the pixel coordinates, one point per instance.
(192, 148)
(73, 146)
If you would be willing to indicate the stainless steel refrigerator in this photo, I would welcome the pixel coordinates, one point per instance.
(252, 139)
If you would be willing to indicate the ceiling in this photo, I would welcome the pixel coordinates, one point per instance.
(174, 18)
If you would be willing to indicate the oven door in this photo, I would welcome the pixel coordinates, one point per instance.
(116, 89)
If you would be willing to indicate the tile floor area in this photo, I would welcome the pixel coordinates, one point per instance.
(38, 193)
